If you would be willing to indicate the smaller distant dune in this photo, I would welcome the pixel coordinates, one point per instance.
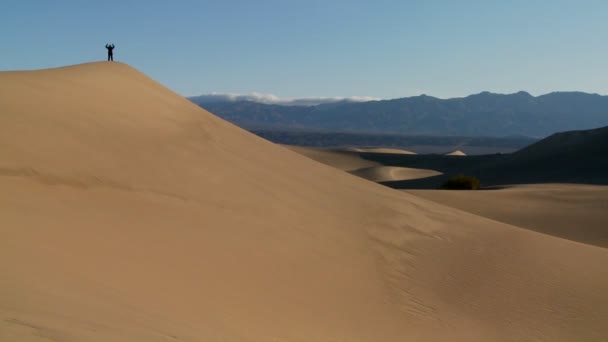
(392, 173)
(379, 150)
(345, 160)
(456, 153)
(348, 159)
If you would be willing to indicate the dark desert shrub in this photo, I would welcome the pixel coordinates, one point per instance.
(461, 183)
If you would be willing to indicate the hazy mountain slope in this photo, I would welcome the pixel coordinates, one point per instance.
(572, 157)
(483, 114)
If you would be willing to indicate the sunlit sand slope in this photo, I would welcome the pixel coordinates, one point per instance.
(391, 173)
(129, 214)
(570, 211)
(456, 153)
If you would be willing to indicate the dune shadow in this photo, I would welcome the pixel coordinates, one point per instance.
(553, 160)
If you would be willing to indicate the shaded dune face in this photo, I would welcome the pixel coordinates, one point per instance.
(341, 159)
(350, 160)
(130, 214)
(391, 173)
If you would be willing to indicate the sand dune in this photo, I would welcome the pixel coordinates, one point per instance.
(456, 153)
(349, 160)
(340, 159)
(130, 214)
(380, 150)
(575, 212)
(391, 173)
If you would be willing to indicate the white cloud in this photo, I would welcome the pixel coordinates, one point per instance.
(273, 99)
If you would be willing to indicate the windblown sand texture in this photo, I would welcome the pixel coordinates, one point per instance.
(130, 214)
(571, 211)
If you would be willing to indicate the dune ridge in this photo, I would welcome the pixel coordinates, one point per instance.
(379, 150)
(456, 153)
(130, 214)
(392, 173)
(340, 159)
(351, 161)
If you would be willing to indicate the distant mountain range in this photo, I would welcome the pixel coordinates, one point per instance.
(273, 99)
(483, 114)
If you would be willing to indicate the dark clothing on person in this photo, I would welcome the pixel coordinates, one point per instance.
(110, 52)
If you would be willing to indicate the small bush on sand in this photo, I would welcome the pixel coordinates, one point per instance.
(461, 183)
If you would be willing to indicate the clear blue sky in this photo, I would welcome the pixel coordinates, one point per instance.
(310, 48)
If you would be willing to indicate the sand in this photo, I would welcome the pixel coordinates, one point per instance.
(130, 214)
(456, 153)
(380, 150)
(341, 159)
(392, 173)
(571, 211)
(350, 160)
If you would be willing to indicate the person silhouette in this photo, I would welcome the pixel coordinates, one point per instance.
(110, 48)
